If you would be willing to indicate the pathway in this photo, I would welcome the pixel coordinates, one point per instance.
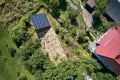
(86, 16)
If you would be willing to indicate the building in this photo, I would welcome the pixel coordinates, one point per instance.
(40, 23)
(90, 5)
(107, 50)
(114, 10)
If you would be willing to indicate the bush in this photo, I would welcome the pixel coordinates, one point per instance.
(67, 41)
(0, 53)
(19, 32)
(57, 31)
(62, 37)
(22, 78)
(12, 51)
(73, 14)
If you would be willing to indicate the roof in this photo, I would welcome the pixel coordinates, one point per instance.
(91, 3)
(118, 1)
(109, 44)
(113, 10)
(40, 21)
(113, 65)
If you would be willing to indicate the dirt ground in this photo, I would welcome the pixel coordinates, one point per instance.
(52, 46)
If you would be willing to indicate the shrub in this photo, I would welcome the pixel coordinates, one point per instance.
(22, 78)
(0, 53)
(57, 31)
(12, 51)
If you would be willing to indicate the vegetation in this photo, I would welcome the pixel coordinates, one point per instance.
(101, 25)
(9, 64)
(54, 6)
(6, 62)
(100, 7)
(20, 46)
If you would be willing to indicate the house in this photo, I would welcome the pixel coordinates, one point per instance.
(90, 5)
(113, 10)
(107, 50)
(40, 23)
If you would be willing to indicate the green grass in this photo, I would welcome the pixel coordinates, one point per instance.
(80, 19)
(9, 66)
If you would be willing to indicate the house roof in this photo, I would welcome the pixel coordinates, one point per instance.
(118, 1)
(40, 21)
(91, 3)
(113, 10)
(109, 44)
(112, 64)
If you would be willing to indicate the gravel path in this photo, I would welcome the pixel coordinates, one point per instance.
(87, 18)
(86, 15)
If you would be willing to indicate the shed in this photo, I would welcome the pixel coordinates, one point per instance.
(40, 23)
(90, 5)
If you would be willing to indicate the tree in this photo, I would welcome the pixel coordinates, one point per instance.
(19, 36)
(22, 78)
(64, 71)
(100, 7)
(54, 7)
(63, 5)
(73, 13)
(12, 51)
(108, 76)
(27, 50)
(81, 37)
(38, 60)
(103, 25)
(54, 4)
(0, 52)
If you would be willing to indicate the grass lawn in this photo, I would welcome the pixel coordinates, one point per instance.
(7, 63)
(9, 66)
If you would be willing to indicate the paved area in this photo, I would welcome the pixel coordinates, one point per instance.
(92, 46)
(52, 46)
(87, 18)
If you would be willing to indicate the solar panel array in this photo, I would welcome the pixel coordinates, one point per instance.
(40, 21)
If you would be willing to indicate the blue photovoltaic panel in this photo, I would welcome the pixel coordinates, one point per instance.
(40, 21)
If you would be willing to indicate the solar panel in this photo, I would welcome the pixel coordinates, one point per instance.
(40, 21)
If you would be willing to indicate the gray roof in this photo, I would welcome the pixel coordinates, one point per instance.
(114, 10)
(40, 21)
(119, 1)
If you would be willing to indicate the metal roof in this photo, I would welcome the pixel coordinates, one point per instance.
(109, 44)
(40, 21)
(91, 3)
(118, 1)
(113, 10)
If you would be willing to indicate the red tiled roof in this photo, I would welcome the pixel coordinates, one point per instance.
(110, 44)
(91, 3)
